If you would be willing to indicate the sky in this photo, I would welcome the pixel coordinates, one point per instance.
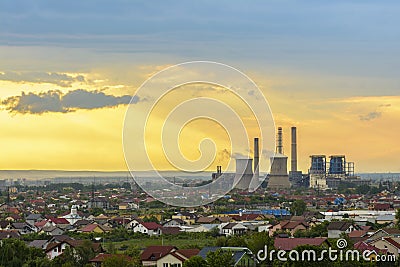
(69, 69)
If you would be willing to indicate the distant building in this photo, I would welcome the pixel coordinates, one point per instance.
(101, 203)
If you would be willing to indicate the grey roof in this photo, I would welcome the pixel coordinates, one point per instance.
(342, 226)
(34, 216)
(38, 243)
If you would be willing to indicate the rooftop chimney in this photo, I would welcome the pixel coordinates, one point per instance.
(294, 150)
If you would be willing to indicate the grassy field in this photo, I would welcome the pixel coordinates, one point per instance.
(178, 241)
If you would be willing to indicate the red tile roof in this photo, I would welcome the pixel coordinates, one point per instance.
(188, 253)
(362, 246)
(291, 243)
(357, 233)
(153, 253)
(151, 225)
(246, 217)
(101, 257)
(59, 220)
(391, 241)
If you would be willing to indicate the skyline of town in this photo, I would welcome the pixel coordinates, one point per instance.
(68, 72)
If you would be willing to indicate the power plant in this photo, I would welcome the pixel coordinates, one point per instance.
(278, 177)
(328, 175)
(322, 174)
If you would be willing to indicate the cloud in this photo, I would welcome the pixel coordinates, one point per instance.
(370, 116)
(56, 101)
(60, 79)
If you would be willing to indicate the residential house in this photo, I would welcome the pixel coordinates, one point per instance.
(95, 228)
(176, 258)
(188, 217)
(385, 232)
(51, 230)
(5, 225)
(4, 234)
(294, 226)
(55, 249)
(152, 254)
(391, 244)
(385, 219)
(149, 228)
(174, 223)
(363, 246)
(39, 243)
(172, 230)
(23, 228)
(229, 229)
(98, 260)
(242, 256)
(33, 218)
(60, 222)
(288, 244)
(99, 202)
(247, 217)
(133, 223)
(335, 229)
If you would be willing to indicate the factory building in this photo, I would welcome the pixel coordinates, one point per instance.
(329, 175)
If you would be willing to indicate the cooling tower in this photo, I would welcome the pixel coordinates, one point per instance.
(278, 177)
(244, 173)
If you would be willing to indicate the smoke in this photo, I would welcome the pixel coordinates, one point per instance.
(56, 101)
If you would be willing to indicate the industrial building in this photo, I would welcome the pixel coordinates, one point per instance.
(329, 175)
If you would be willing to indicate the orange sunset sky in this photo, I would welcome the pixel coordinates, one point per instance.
(67, 73)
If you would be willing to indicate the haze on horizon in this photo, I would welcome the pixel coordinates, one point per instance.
(69, 69)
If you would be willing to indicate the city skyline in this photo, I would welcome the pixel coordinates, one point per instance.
(68, 71)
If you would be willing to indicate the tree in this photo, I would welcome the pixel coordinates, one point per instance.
(134, 251)
(220, 258)
(397, 218)
(117, 261)
(195, 261)
(298, 207)
(14, 252)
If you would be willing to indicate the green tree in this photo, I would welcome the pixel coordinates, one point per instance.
(117, 261)
(134, 251)
(195, 261)
(236, 241)
(397, 218)
(14, 252)
(220, 258)
(298, 207)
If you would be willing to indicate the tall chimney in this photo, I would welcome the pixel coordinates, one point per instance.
(256, 158)
(294, 150)
(279, 146)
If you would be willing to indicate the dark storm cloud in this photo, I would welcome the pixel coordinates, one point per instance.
(56, 101)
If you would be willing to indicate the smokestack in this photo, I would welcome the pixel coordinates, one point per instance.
(294, 150)
(256, 158)
(279, 146)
